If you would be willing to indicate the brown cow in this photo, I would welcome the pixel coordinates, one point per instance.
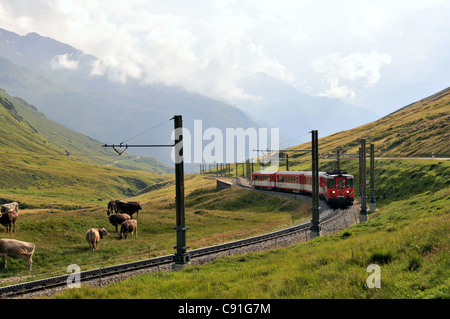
(128, 226)
(10, 206)
(94, 235)
(17, 249)
(8, 220)
(118, 219)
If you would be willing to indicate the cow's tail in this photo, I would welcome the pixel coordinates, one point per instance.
(25, 251)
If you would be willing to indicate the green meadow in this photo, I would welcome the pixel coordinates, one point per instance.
(63, 182)
(408, 238)
(58, 226)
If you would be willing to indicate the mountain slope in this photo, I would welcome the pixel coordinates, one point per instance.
(62, 81)
(419, 129)
(33, 168)
(295, 112)
(78, 145)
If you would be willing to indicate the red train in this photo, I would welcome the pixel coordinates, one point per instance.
(336, 187)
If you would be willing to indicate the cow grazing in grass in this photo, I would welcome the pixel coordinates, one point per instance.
(17, 249)
(94, 235)
(10, 206)
(127, 227)
(8, 220)
(118, 219)
(129, 208)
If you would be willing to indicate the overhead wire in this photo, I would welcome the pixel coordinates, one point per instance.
(68, 153)
(279, 144)
(146, 131)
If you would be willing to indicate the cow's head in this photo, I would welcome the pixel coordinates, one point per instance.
(103, 232)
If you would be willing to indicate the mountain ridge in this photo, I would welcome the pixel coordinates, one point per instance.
(71, 142)
(418, 129)
(34, 169)
(105, 110)
(298, 112)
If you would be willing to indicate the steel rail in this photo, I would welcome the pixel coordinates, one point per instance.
(47, 283)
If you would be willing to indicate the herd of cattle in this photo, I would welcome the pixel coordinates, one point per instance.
(119, 213)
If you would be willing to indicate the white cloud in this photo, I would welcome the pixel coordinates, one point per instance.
(344, 75)
(208, 46)
(63, 61)
(206, 53)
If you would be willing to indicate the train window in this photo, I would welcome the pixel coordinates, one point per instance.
(349, 182)
(341, 184)
(331, 183)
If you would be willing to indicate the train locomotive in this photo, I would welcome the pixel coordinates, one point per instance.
(336, 187)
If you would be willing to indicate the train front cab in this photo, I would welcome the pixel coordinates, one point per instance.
(340, 191)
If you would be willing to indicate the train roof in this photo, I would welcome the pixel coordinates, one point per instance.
(338, 173)
(329, 174)
(265, 172)
(291, 172)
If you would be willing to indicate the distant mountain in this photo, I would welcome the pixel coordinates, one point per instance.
(419, 129)
(40, 158)
(296, 113)
(58, 78)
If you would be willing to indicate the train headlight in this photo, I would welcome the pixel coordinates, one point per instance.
(333, 192)
(348, 192)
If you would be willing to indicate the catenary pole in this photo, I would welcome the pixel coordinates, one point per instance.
(362, 172)
(315, 230)
(181, 257)
(372, 202)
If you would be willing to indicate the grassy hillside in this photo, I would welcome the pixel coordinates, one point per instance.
(61, 197)
(419, 129)
(35, 168)
(213, 217)
(408, 237)
(78, 145)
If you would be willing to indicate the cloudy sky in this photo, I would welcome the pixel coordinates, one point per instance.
(379, 55)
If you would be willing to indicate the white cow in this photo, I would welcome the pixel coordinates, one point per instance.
(94, 235)
(17, 249)
(10, 206)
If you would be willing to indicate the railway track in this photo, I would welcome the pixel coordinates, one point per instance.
(158, 262)
(30, 287)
